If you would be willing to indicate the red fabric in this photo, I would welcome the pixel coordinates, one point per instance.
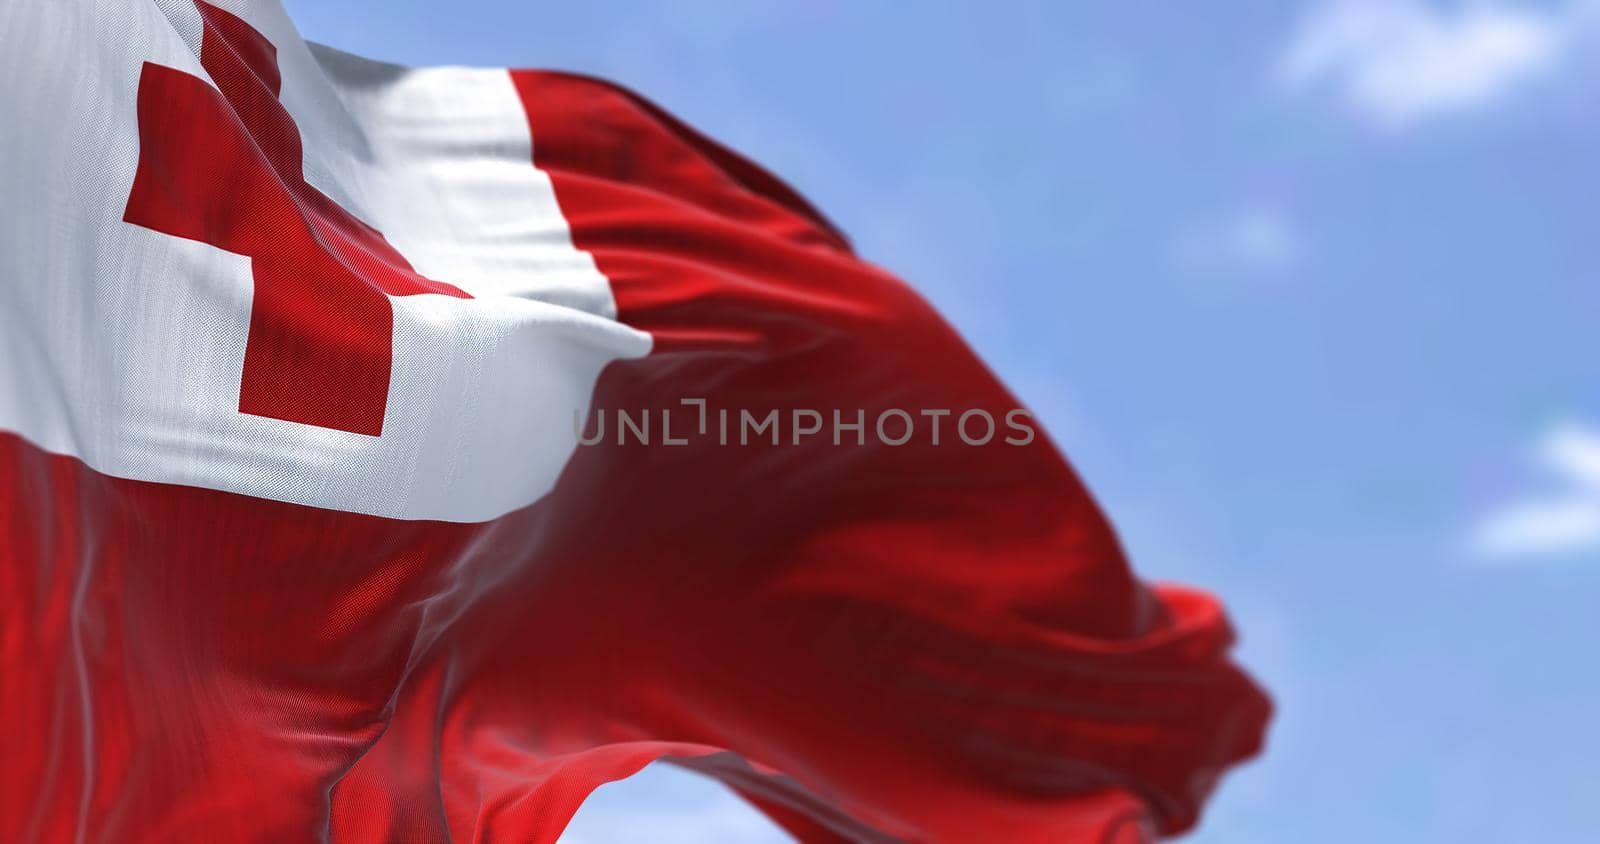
(961, 620)
(927, 643)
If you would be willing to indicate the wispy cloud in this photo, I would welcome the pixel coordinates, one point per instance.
(1398, 62)
(1255, 240)
(1565, 520)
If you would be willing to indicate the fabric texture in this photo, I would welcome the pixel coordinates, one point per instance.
(927, 641)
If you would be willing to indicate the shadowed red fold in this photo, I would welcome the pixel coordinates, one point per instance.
(922, 643)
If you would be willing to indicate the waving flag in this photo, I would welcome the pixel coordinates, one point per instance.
(397, 455)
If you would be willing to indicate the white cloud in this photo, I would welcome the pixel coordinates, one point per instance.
(1397, 62)
(1562, 522)
(1254, 239)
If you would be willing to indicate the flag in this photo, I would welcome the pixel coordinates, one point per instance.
(398, 454)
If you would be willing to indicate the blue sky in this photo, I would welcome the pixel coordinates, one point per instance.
(1306, 291)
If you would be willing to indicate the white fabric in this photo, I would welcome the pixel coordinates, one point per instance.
(124, 347)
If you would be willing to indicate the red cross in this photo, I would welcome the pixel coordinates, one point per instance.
(224, 168)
